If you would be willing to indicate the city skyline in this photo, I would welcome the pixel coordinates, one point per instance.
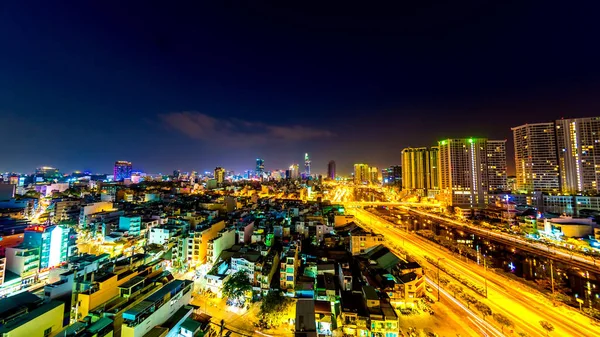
(274, 87)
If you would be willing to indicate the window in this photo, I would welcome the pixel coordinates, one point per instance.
(47, 332)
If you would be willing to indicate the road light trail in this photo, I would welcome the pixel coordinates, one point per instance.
(512, 238)
(478, 320)
(514, 303)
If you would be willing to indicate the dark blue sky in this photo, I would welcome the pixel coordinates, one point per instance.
(193, 86)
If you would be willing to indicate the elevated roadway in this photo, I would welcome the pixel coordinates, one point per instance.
(577, 260)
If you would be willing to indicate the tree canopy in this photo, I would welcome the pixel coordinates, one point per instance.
(547, 326)
(274, 307)
(502, 320)
(237, 285)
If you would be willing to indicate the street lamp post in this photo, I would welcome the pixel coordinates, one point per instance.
(484, 276)
(438, 277)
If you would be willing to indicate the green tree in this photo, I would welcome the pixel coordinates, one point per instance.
(237, 285)
(275, 307)
(547, 326)
(502, 320)
(455, 289)
(483, 309)
(469, 299)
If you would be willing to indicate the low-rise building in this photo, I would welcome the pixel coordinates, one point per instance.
(289, 264)
(131, 224)
(156, 309)
(225, 239)
(23, 261)
(362, 241)
(26, 315)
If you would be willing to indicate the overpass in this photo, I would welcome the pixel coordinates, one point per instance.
(577, 260)
(384, 203)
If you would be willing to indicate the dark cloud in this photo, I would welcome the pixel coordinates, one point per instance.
(232, 131)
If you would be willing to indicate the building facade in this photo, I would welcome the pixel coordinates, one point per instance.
(578, 158)
(361, 174)
(392, 175)
(219, 175)
(463, 171)
(420, 169)
(496, 165)
(122, 170)
(536, 158)
(306, 164)
(260, 167)
(294, 172)
(331, 170)
(52, 242)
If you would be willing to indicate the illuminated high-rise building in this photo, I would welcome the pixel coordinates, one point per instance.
(122, 170)
(463, 171)
(361, 174)
(306, 164)
(260, 168)
(577, 142)
(219, 175)
(432, 168)
(331, 170)
(294, 171)
(52, 242)
(420, 169)
(374, 175)
(46, 174)
(536, 158)
(392, 175)
(496, 163)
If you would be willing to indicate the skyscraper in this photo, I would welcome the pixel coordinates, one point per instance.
(306, 164)
(536, 157)
(432, 168)
(260, 168)
(331, 170)
(122, 170)
(294, 171)
(374, 175)
(577, 140)
(392, 175)
(496, 163)
(361, 174)
(219, 174)
(463, 171)
(420, 169)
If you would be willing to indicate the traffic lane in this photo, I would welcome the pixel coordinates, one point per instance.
(517, 301)
(590, 261)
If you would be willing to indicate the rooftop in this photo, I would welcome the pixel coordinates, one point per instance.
(24, 319)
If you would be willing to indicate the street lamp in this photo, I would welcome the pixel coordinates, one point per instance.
(438, 276)
(484, 276)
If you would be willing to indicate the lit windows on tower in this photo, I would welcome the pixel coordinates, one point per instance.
(122, 170)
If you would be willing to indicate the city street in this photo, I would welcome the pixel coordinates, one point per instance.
(524, 306)
(449, 320)
(567, 255)
(238, 320)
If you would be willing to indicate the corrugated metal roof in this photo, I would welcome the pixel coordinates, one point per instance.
(137, 309)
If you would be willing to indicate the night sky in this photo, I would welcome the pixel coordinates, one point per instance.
(191, 87)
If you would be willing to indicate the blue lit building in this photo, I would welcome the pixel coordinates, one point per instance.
(260, 167)
(52, 242)
(122, 170)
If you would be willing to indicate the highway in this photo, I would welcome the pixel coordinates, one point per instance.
(524, 306)
(538, 247)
